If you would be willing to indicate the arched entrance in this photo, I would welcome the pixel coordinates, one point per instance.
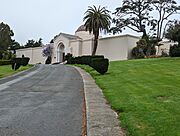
(60, 52)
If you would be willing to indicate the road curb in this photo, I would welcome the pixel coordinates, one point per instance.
(101, 119)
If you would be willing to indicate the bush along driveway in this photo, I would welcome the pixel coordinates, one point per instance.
(145, 93)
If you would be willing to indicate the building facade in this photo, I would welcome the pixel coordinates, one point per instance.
(81, 43)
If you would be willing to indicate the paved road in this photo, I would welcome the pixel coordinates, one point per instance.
(46, 102)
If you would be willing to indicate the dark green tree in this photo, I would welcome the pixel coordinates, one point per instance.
(164, 9)
(138, 14)
(173, 32)
(133, 14)
(97, 19)
(32, 43)
(6, 41)
(38, 43)
(15, 46)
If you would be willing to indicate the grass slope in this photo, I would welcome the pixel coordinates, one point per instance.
(7, 71)
(146, 93)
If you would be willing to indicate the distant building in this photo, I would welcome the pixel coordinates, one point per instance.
(165, 46)
(114, 47)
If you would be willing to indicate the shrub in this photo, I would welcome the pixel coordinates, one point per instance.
(5, 62)
(144, 48)
(174, 51)
(83, 59)
(48, 60)
(95, 57)
(138, 53)
(17, 62)
(139, 50)
(100, 65)
(25, 61)
(97, 62)
(78, 60)
(71, 60)
(68, 57)
(16, 66)
(86, 60)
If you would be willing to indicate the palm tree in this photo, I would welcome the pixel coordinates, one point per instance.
(96, 20)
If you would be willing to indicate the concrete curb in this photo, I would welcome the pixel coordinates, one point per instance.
(101, 119)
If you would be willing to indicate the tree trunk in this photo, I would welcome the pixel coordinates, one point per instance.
(95, 45)
(144, 34)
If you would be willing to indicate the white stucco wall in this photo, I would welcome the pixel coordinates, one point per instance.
(87, 47)
(164, 47)
(116, 47)
(35, 54)
(76, 47)
(131, 43)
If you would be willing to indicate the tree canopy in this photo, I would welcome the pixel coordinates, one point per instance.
(6, 35)
(33, 43)
(164, 9)
(173, 32)
(140, 14)
(133, 14)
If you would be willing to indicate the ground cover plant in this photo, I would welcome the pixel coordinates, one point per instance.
(145, 93)
(6, 70)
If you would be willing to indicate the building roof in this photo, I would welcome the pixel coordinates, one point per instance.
(81, 28)
(69, 36)
(119, 36)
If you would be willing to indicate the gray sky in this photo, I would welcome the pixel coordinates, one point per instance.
(34, 19)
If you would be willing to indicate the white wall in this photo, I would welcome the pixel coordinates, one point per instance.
(76, 47)
(87, 47)
(131, 43)
(35, 54)
(164, 47)
(116, 47)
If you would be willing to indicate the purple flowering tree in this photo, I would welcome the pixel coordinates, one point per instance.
(47, 52)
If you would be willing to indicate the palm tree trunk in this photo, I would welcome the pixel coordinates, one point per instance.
(95, 45)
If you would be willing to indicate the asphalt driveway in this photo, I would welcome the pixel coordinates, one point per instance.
(44, 102)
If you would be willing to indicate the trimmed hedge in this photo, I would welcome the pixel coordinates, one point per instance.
(25, 61)
(5, 62)
(48, 60)
(16, 66)
(17, 62)
(100, 65)
(68, 57)
(82, 59)
(97, 62)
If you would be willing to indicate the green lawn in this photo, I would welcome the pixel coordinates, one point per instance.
(7, 71)
(146, 93)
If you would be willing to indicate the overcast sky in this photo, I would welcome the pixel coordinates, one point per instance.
(34, 19)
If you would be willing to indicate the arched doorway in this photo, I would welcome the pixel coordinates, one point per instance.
(60, 52)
